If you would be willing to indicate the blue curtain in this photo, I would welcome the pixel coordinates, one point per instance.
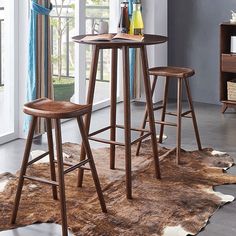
(32, 55)
(32, 81)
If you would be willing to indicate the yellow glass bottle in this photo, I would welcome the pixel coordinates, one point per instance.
(136, 25)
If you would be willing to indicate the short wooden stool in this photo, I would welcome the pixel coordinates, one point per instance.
(181, 74)
(56, 110)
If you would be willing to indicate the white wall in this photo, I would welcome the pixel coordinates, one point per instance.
(114, 15)
(155, 22)
(196, 45)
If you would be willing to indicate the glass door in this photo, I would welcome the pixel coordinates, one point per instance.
(8, 75)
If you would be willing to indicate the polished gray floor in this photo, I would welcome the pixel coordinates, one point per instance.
(216, 130)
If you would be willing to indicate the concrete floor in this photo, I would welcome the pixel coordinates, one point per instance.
(216, 130)
(6, 119)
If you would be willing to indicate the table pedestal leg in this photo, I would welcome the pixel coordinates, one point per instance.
(127, 125)
(150, 110)
(90, 96)
(113, 106)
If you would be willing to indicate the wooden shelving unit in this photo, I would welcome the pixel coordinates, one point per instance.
(227, 63)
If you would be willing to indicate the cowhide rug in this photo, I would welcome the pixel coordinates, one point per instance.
(179, 204)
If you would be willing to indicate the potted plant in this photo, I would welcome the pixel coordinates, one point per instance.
(61, 20)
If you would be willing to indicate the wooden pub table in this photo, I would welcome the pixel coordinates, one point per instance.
(124, 45)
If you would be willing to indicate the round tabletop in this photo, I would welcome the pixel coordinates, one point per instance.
(149, 39)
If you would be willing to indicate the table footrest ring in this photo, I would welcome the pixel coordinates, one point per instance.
(107, 141)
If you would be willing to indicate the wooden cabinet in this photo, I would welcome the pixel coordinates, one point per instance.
(227, 63)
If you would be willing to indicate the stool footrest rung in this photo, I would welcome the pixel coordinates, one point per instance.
(171, 113)
(157, 108)
(101, 140)
(76, 166)
(140, 138)
(45, 181)
(37, 158)
(100, 130)
(65, 163)
(188, 117)
(134, 129)
(184, 114)
(84, 168)
(167, 153)
(164, 123)
(72, 164)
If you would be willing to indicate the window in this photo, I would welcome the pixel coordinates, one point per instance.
(63, 56)
(62, 29)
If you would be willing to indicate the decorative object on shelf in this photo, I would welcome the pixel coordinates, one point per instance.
(182, 201)
(233, 17)
(233, 44)
(231, 89)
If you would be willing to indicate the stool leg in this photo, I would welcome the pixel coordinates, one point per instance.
(91, 163)
(23, 169)
(147, 87)
(90, 95)
(179, 112)
(193, 114)
(113, 107)
(145, 116)
(61, 176)
(51, 157)
(224, 108)
(164, 110)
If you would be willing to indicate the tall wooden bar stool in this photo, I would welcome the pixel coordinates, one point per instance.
(182, 75)
(56, 110)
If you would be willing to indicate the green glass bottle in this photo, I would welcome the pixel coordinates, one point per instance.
(136, 25)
